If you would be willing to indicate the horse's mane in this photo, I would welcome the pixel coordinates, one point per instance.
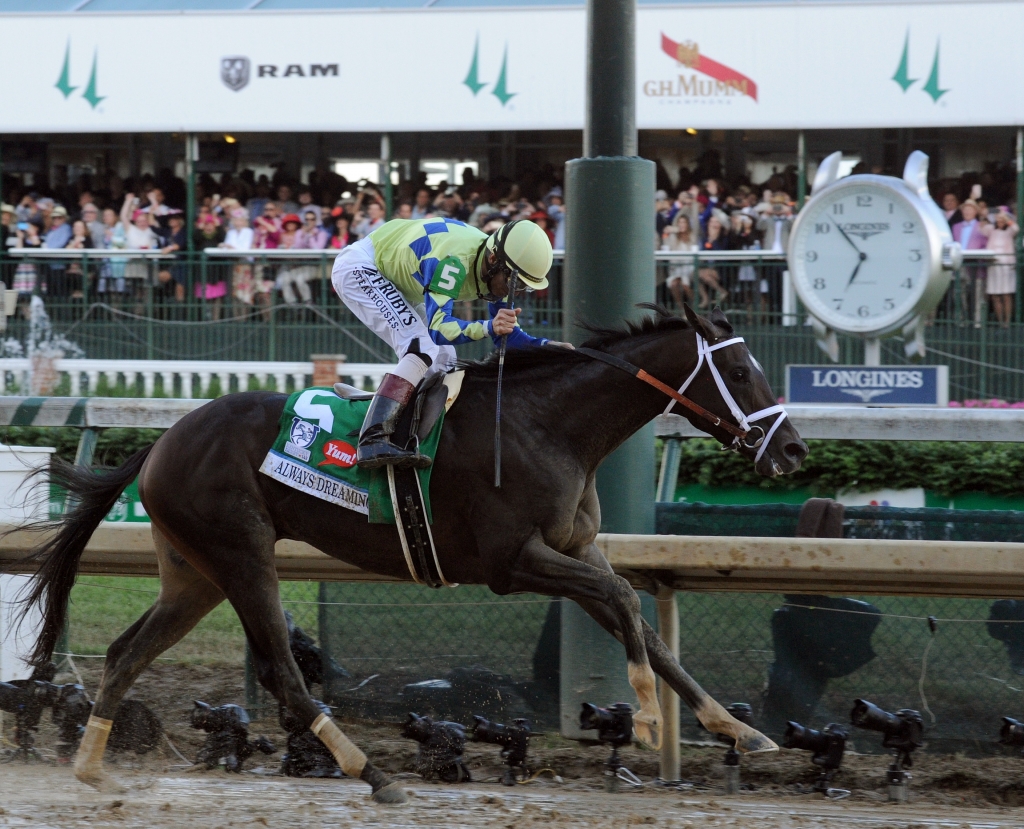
(524, 359)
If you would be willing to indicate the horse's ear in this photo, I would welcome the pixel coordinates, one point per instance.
(721, 321)
(702, 326)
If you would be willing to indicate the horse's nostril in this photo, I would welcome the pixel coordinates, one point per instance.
(796, 451)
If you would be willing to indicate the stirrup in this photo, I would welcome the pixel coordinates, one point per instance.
(378, 452)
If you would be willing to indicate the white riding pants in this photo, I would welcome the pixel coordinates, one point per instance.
(381, 307)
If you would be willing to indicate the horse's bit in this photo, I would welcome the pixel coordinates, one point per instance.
(744, 435)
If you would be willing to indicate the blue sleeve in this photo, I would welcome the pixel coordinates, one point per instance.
(446, 329)
(518, 338)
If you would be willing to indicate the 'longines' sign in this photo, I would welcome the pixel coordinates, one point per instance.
(869, 385)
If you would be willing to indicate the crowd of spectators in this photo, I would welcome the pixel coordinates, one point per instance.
(246, 213)
(239, 214)
(708, 216)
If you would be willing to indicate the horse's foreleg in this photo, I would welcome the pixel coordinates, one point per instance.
(710, 713)
(541, 569)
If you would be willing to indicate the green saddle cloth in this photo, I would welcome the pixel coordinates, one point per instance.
(315, 453)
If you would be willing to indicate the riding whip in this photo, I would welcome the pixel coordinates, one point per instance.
(513, 282)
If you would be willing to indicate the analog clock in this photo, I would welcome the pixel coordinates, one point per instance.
(868, 254)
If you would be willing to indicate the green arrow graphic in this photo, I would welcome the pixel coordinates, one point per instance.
(500, 90)
(931, 86)
(64, 81)
(902, 76)
(472, 81)
(90, 90)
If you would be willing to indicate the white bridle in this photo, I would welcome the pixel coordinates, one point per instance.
(704, 356)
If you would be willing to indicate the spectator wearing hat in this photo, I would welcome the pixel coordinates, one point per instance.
(1001, 282)
(972, 234)
(57, 236)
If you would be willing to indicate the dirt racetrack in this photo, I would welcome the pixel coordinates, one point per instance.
(49, 797)
(947, 791)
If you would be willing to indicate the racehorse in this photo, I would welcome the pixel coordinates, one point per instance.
(215, 518)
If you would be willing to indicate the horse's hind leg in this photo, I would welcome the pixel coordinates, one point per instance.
(254, 595)
(185, 598)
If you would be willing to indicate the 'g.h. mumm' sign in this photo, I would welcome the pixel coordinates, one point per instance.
(868, 385)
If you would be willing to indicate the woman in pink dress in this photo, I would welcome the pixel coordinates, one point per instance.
(1001, 282)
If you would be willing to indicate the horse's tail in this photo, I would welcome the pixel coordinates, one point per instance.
(93, 494)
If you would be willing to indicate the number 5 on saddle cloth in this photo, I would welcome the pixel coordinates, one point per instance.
(315, 453)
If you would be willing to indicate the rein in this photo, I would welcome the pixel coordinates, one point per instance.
(740, 433)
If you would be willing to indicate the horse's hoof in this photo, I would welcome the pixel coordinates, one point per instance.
(102, 783)
(391, 794)
(754, 742)
(648, 730)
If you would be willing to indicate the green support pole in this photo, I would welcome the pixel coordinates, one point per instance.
(385, 164)
(190, 190)
(1019, 241)
(609, 268)
(801, 171)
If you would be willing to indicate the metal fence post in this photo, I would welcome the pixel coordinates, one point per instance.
(669, 474)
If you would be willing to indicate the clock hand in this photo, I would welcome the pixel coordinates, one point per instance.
(853, 276)
(848, 239)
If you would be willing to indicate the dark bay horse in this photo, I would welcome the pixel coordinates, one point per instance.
(216, 518)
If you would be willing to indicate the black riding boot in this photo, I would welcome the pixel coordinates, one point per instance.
(375, 446)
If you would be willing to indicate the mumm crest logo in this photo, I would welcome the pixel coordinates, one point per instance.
(720, 80)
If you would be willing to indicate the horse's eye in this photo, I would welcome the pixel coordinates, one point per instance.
(739, 375)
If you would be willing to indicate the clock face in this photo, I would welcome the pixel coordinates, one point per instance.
(861, 257)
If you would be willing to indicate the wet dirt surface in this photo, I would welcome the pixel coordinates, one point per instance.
(163, 791)
(49, 797)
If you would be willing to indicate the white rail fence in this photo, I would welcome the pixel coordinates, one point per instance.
(182, 378)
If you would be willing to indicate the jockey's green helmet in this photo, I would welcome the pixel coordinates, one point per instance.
(523, 246)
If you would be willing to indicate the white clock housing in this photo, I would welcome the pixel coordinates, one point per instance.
(869, 254)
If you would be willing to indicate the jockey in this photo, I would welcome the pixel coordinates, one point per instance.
(402, 281)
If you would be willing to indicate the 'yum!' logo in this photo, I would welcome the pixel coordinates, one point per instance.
(338, 453)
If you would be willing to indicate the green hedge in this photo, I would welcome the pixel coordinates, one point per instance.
(832, 465)
(113, 446)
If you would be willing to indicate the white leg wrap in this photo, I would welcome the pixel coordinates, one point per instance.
(350, 758)
(89, 759)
